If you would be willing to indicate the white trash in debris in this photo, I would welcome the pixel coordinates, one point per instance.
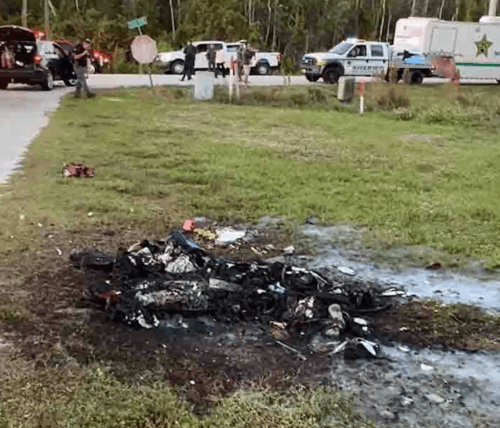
(391, 292)
(345, 270)
(277, 288)
(404, 348)
(288, 251)
(338, 323)
(228, 235)
(426, 368)
(434, 398)
(360, 321)
(371, 347)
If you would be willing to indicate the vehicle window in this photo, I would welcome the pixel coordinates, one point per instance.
(377, 50)
(232, 48)
(46, 49)
(218, 46)
(359, 50)
(341, 48)
(59, 51)
(201, 48)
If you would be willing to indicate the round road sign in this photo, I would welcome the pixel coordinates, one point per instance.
(143, 49)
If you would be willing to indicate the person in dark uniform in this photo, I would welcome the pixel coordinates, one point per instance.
(81, 55)
(189, 59)
(211, 53)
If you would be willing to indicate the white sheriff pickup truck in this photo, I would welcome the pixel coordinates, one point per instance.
(361, 58)
(262, 63)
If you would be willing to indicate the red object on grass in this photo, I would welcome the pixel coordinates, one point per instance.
(361, 88)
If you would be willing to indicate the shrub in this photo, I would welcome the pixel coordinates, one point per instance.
(380, 96)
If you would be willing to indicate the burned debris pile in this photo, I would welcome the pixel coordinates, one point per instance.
(152, 281)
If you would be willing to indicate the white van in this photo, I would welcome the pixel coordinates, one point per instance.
(474, 46)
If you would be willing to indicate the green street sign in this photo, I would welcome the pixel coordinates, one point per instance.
(137, 23)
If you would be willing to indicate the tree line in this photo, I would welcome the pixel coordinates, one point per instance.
(291, 27)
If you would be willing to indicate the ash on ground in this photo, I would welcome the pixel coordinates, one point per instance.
(187, 295)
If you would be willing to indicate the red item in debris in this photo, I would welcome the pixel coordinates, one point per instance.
(435, 266)
(110, 297)
(77, 170)
(189, 225)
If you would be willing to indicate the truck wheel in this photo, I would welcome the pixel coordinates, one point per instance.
(48, 83)
(3, 84)
(177, 67)
(331, 75)
(312, 77)
(263, 69)
(416, 77)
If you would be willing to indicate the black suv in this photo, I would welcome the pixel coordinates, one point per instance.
(28, 60)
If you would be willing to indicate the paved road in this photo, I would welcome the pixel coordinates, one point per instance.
(24, 110)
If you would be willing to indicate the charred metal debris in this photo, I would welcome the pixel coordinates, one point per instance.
(153, 281)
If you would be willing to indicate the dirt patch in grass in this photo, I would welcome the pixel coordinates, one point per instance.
(60, 328)
(431, 323)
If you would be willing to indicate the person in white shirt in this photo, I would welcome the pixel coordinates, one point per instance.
(220, 66)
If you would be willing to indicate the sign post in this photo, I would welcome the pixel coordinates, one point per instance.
(138, 23)
(144, 52)
(361, 90)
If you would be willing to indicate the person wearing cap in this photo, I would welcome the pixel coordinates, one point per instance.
(81, 56)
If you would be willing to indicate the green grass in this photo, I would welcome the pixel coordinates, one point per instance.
(426, 176)
(159, 159)
(94, 398)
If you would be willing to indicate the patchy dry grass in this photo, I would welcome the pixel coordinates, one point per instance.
(455, 326)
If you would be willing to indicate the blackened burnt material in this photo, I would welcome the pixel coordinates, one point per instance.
(152, 280)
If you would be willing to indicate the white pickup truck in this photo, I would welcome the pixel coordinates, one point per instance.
(262, 63)
(361, 58)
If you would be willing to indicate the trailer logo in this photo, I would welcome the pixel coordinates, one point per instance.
(482, 46)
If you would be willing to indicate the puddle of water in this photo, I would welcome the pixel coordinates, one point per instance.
(445, 286)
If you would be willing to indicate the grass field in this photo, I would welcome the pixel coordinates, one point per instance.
(160, 159)
(421, 170)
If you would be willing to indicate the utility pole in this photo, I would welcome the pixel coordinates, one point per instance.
(24, 14)
(47, 23)
(493, 8)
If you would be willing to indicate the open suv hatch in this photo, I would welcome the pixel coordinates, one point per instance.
(34, 62)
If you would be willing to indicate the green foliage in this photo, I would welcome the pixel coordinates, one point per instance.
(310, 409)
(289, 26)
(3, 418)
(387, 96)
(107, 403)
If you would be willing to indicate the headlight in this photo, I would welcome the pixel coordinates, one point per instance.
(319, 61)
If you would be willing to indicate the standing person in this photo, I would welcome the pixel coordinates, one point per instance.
(189, 59)
(248, 54)
(220, 59)
(7, 57)
(81, 56)
(240, 55)
(211, 58)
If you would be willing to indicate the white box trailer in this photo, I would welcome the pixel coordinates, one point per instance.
(474, 46)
